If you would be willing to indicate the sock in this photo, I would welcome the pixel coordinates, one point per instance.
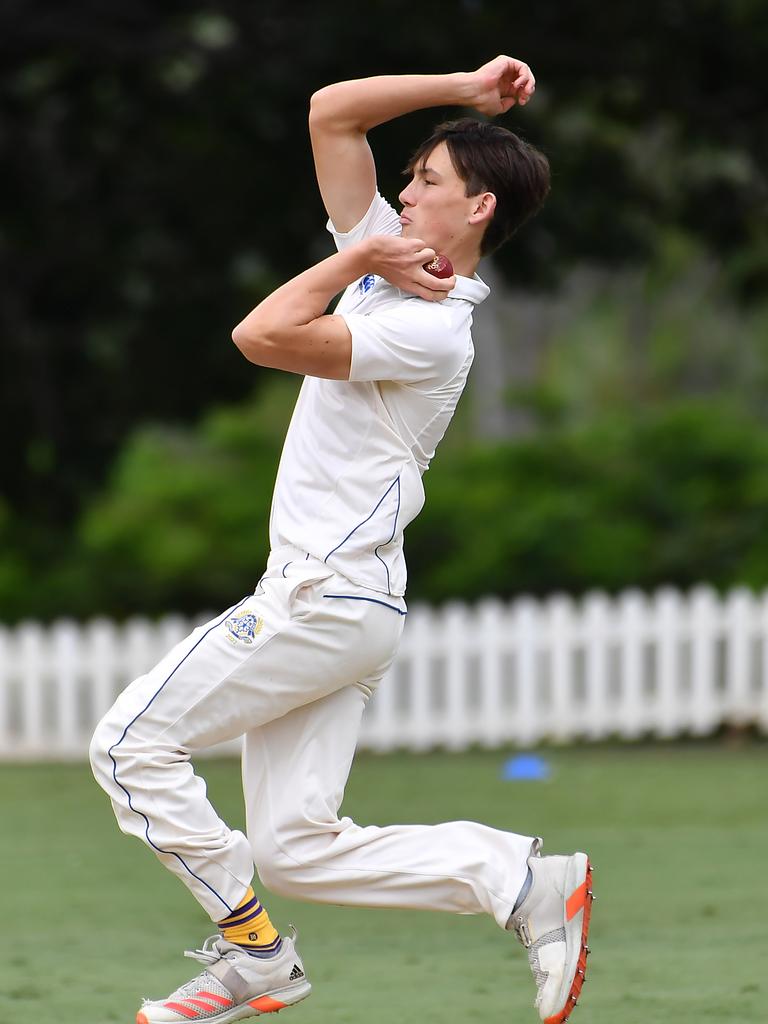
(524, 891)
(249, 926)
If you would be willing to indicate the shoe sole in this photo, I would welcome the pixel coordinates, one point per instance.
(270, 1002)
(578, 902)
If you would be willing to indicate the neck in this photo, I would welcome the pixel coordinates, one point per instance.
(464, 257)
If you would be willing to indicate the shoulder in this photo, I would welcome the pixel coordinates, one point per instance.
(439, 330)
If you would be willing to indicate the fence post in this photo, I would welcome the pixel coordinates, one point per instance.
(32, 651)
(104, 645)
(596, 653)
(669, 614)
(762, 621)
(561, 615)
(6, 667)
(705, 623)
(527, 627)
(67, 659)
(456, 626)
(633, 621)
(492, 642)
(737, 617)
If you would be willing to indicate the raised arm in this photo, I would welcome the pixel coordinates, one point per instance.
(341, 115)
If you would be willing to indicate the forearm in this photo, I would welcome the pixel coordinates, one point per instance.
(361, 104)
(301, 300)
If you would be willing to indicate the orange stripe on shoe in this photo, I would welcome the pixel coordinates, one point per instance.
(581, 966)
(204, 1004)
(266, 1004)
(576, 901)
(214, 998)
(141, 1019)
(183, 1010)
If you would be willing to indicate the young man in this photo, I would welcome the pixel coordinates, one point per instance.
(291, 666)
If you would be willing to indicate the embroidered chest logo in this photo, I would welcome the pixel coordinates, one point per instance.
(366, 283)
(244, 627)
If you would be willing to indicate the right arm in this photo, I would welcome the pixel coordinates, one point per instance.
(341, 116)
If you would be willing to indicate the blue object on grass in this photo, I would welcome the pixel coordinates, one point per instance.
(525, 768)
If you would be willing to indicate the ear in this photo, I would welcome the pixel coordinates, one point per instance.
(483, 207)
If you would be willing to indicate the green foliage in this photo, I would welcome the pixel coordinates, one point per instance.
(184, 522)
(674, 494)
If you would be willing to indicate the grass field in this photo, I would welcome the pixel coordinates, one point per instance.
(679, 837)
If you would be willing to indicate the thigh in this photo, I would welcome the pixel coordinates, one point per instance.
(283, 647)
(295, 767)
(295, 770)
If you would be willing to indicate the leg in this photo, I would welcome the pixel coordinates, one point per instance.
(295, 770)
(215, 685)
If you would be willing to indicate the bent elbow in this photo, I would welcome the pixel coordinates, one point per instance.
(326, 111)
(317, 106)
(247, 343)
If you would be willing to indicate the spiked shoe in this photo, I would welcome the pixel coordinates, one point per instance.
(552, 923)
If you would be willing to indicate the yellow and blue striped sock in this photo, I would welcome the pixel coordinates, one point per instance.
(249, 926)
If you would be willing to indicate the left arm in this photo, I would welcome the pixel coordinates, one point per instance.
(289, 331)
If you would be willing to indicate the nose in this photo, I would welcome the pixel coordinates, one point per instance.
(405, 195)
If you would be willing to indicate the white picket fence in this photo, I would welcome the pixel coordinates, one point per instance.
(495, 673)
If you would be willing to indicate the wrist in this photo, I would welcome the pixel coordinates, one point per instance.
(362, 257)
(463, 88)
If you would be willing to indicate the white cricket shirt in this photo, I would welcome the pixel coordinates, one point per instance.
(349, 479)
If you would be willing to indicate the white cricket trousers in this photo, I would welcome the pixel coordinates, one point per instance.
(290, 668)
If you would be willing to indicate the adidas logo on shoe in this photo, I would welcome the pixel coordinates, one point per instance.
(296, 973)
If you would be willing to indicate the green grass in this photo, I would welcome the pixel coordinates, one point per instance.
(679, 837)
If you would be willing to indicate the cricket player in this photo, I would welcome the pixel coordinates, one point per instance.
(291, 666)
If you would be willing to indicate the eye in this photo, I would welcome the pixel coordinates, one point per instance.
(427, 182)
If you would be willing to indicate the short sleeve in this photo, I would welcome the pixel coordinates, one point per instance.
(380, 219)
(416, 342)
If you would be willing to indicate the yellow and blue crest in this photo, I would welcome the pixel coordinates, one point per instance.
(244, 627)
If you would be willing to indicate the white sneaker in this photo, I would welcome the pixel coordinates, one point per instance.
(234, 986)
(552, 923)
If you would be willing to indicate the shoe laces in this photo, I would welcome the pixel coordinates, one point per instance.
(204, 980)
(209, 953)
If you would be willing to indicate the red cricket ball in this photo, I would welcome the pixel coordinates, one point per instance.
(440, 267)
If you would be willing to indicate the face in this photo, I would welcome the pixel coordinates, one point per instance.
(435, 207)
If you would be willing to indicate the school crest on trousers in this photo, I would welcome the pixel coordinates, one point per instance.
(243, 627)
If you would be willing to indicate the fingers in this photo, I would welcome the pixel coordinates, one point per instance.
(516, 82)
(524, 85)
(434, 288)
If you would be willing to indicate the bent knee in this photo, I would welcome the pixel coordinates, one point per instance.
(112, 749)
(98, 751)
(281, 875)
(290, 869)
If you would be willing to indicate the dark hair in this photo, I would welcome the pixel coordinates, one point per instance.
(489, 158)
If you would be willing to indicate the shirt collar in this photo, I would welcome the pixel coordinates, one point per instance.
(472, 289)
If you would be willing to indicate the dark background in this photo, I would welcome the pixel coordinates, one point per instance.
(157, 182)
